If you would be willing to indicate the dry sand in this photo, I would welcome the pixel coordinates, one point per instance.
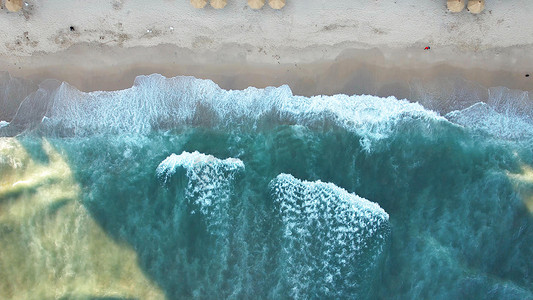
(315, 46)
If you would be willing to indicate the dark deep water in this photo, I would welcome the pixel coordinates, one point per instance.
(267, 195)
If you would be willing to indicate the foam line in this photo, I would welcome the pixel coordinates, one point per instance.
(332, 239)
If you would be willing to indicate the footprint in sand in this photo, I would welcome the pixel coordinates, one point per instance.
(118, 4)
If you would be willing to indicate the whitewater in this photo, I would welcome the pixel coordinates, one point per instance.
(177, 189)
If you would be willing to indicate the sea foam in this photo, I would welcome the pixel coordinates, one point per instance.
(332, 239)
(190, 161)
(506, 114)
(210, 185)
(155, 102)
(485, 118)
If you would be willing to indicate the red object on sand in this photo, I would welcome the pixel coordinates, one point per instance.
(427, 48)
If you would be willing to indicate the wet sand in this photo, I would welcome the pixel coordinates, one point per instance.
(368, 48)
(363, 71)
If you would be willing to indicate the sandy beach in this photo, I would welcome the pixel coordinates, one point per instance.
(375, 47)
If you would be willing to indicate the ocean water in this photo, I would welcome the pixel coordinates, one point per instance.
(178, 189)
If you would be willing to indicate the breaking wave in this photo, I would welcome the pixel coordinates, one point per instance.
(210, 185)
(159, 103)
(332, 240)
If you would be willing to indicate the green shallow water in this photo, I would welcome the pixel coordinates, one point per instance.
(458, 227)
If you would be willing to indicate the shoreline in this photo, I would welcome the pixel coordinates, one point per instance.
(431, 79)
(388, 72)
(344, 47)
(353, 71)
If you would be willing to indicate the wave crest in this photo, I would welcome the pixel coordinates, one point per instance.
(155, 102)
(507, 114)
(332, 239)
(210, 185)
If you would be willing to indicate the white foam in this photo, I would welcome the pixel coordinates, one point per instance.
(210, 185)
(332, 238)
(193, 160)
(505, 113)
(3, 124)
(484, 117)
(155, 102)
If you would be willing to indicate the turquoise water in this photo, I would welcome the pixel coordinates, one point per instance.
(262, 194)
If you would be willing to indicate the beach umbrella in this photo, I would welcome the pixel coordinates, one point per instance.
(218, 4)
(14, 5)
(476, 6)
(199, 3)
(276, 4)
(456, 5)
(256, 4)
